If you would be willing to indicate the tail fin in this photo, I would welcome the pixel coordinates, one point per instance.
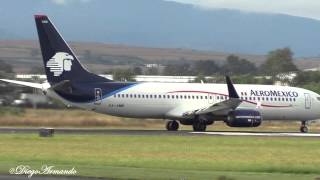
(59, 60)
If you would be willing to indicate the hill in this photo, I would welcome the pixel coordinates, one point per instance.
(99, 57)
(165, 24)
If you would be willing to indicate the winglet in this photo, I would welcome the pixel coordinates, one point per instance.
(232, 91)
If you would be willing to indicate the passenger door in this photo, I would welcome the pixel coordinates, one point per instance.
(307, 101)
(98, 96)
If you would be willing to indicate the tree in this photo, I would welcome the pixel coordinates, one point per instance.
(123, 75)
(279, 61)
(177, 70)
(206, 68)
(152, 71)
(200, 79)
(137, 70)
(236, 66)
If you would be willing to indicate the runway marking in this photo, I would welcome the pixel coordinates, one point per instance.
(259, 134)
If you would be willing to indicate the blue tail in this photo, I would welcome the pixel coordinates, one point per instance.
(60, 62)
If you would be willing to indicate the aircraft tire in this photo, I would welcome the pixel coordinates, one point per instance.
(172, 125)
(304, 129)
(199, 126)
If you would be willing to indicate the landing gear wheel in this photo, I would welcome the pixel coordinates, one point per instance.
(303, 128)
(172, 125)
(199, 126)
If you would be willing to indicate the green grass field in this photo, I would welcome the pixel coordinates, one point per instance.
(166, 157)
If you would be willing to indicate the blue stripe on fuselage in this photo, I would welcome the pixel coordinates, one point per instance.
(85, 92)
(116, 91)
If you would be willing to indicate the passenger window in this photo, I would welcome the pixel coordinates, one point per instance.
(318, 98)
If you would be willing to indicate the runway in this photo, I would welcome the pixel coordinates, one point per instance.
(88, 131)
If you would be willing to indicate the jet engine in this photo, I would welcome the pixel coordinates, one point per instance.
(244, 118)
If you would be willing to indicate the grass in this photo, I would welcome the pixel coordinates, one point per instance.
(166, 157)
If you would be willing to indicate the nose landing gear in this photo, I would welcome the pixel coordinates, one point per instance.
(303, 127)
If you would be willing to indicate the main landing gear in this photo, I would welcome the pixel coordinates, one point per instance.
(303, 127)
(172, 125)
(199, 125)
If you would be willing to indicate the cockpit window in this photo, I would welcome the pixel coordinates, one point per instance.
(318, 98)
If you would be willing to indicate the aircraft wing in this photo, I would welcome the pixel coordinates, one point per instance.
(220, 108)
(23, 83)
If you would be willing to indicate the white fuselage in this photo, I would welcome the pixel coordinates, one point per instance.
(170, 100)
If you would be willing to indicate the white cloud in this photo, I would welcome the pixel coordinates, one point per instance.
(59, 2)
(303, 8)
(65, 2)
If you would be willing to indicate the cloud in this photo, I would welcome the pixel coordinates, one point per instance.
(303, 8)
(65, 2)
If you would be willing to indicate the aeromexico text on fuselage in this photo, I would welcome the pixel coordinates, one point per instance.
(274, 93)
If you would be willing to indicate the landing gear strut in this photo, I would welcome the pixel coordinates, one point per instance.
(172, 125)
(199, 125)
(303, 127)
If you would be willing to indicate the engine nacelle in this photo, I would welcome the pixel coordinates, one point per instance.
(244, 118)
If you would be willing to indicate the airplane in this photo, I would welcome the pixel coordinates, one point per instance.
(197, 105)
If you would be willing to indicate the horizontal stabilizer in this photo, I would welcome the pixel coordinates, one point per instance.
(23, 83)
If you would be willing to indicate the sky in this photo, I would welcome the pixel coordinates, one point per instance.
(303, 8)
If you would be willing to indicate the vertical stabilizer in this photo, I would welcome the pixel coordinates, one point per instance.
(59, 60)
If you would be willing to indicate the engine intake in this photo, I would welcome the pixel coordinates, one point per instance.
(244, 118)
